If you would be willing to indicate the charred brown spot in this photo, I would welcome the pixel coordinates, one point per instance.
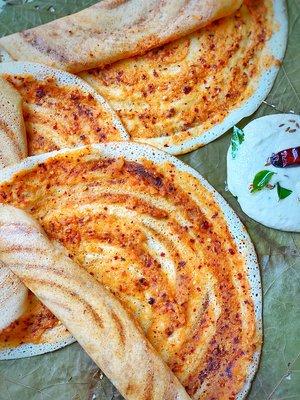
(40, 92)
(143, 173)
(151, 301)
(187, 89)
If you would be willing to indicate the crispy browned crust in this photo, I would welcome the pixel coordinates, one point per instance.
(87, 309)
(112, 30)
(191, 295)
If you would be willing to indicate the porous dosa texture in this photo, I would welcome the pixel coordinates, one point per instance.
(13, 147)
(91, 313)
(60, 110)
(112, 30)
(154, 233)
(187, 93)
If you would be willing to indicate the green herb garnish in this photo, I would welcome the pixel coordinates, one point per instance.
(283, 192)
(237, 139)
(261, 180)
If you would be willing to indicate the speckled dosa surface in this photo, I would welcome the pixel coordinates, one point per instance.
(72, 373)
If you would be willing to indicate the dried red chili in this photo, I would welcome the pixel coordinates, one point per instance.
(286, 158)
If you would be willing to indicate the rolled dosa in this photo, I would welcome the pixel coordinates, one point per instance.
(112, 30)
(13, 147)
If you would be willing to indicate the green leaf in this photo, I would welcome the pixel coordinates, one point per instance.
(261, 180)
(69, 373)
(283, 192)
(237, 139)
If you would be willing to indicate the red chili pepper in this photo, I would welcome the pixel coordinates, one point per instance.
(286, 158)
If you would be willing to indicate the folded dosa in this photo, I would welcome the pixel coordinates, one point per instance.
(13, 294)
(112, 30)
(13, 147)
(91, 313)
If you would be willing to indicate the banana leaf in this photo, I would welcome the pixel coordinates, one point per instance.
(69, 373)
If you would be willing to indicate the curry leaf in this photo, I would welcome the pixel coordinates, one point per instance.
(283, 192)
(261, 180)
(237, 139)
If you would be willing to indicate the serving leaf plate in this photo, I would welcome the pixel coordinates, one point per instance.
(69, 373)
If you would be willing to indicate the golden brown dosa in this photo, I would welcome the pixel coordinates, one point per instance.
(154, 233)
(187, 93)
(112, 30)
